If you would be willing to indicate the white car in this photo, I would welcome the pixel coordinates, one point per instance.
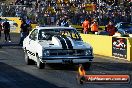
(56, 45)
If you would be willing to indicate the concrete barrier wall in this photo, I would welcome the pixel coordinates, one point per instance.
(102, 45)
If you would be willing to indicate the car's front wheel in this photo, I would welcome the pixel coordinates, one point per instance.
(40, 65)
(27, 60)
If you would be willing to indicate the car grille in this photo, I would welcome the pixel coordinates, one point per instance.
(67, 52)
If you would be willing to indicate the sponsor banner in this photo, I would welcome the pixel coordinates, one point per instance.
(107, 78)
(14, 22)
(119, 47)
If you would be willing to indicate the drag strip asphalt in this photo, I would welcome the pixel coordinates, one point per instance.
(14, 73)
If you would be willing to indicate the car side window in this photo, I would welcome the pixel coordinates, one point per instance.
(44, 35)
(33, 35)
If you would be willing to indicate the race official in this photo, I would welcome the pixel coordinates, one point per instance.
(94, 27)
(24, 31)
(86, 26)
(6, 27)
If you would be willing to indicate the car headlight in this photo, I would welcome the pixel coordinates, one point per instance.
(88, 52)
(46, 53)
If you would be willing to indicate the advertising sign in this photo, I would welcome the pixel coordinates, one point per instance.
(119, 47)
(14, 23)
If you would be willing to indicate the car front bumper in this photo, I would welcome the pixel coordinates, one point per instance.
(69, 59)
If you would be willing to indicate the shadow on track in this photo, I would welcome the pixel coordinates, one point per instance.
(69, 67)
(13, 78)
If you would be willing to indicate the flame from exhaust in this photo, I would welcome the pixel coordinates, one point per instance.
(81, 71)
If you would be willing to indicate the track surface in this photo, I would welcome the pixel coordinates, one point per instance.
(15, 74)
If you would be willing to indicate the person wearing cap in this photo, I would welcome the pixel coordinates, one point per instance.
(6, 27)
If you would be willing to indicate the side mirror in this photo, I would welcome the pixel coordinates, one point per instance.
(30, 37)
(34, 38)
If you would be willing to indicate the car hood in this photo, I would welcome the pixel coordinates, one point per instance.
(57, 43)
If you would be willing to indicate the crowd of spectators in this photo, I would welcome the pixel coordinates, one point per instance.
(49, 11)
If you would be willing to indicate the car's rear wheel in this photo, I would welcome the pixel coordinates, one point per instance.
(40, 65)
(27, 60)
(87, 65)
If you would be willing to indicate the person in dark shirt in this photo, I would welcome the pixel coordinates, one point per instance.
(6, 27)
(111, 28)
(24, 31)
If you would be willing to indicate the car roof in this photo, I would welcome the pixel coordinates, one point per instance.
(41, 28)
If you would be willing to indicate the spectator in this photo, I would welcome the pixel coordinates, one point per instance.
(110, 28)
(52, 20)
(24, 31)
(64, 23)
(28, 21)
(37, 5)
(6, 27)
(74, 10)
(59, 22)
(86, 26)
(94, 27)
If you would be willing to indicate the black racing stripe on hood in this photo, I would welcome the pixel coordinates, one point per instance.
(69, 44)
(62, 42)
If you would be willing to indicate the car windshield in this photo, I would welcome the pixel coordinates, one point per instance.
(126, 25)
(47, 34)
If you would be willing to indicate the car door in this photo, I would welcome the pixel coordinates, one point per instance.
(33, 41)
